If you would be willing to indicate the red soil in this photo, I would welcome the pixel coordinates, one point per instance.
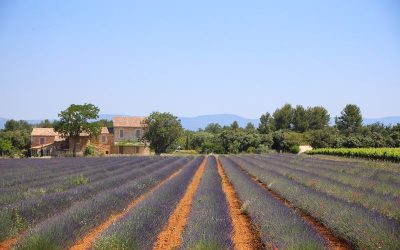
(9, 243)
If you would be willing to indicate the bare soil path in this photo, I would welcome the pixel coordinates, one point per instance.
(170, 237)
(9, 243)
(244, 235)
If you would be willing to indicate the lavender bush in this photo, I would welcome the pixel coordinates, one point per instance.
(209, 220)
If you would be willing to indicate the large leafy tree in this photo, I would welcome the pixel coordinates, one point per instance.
(162, 130)
(283, 117)
(318, 118)
(214, 128)
(77, 119)
(18, 134)
(300, 119)
(266, 123)
(350, 120)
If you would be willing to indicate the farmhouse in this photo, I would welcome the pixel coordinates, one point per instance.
(46, 142)
(128, 132)
(101, 144)
(126, 139)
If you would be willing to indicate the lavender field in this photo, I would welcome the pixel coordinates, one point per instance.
(276, 201)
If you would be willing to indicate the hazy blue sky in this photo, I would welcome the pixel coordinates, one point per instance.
(198, 57)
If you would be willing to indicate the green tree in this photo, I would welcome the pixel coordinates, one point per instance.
(235, 125)
(75, 120)
(395, 135)
(105, 123)
(13, 125)
(18, 133)
(6, 147)
(214, 128)
(318, 118)
(250, 128)
(283, 117)
(45, 124)
(162, 130)
(300, 119)
(266, 123)
(350, 120)
(324, 138)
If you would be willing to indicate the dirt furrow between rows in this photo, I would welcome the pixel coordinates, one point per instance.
(244, 235)
(171, 236)
(86, 242)
(9, 243)
(333, 242)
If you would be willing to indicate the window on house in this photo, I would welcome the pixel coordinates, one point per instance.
(103, 138)
(138, 133)
(41, 140)
(121, 133)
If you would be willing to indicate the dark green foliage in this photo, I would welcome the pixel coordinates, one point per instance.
(235, 125)
(282, 144)
(213, 128)
(162, 130)
(318, 118)
(266, 124)
(300, 119)
(46, 124)
(13, 125)
(89, 150)
(76, 120)
(15, 138)
(324, 138)
(350, 120)
(105, 123)
(283, 117)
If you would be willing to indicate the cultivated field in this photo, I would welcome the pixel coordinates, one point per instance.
(276, 201)
(387, 154)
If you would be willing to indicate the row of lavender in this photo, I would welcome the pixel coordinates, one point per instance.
(278, 225)
(65, 181)
(32, 213)
(374, 195)
(140, 227)
(379, 171)
(209, 224)
(361, 227)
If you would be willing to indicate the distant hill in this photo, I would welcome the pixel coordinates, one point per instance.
(194, 123)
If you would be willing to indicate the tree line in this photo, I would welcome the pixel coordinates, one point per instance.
(289, 127)
(283, 130)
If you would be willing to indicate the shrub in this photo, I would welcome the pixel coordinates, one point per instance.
(251, 150)
(261, 149)
(89, 150)
(78, 180)
(295, 149)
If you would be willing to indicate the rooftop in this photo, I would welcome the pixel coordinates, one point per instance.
(128, 121)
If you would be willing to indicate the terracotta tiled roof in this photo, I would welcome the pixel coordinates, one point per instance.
(51, 132)
(43, 132)
(128, 121)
